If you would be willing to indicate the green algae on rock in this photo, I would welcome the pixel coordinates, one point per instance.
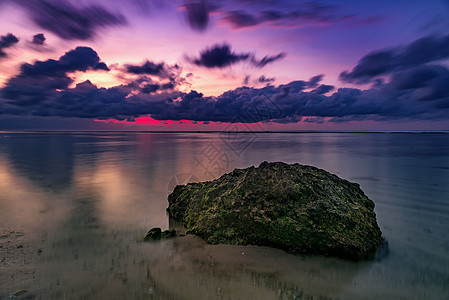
(298, 208)
(156, 234)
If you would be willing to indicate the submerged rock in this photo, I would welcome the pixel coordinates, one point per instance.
(156, 234)
(168, 233)
(18, 293)
(298, 208)
(153, 234)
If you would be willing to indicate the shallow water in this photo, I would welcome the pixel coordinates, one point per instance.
(74, 205)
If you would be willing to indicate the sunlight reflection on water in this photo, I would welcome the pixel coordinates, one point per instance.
(74, 205)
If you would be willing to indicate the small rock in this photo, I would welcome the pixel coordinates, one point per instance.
(18, 293)
(157, 234)
(153, 234)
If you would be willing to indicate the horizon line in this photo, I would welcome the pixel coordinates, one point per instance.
(223, 131)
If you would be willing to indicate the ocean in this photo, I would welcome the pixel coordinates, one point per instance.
(75, 205)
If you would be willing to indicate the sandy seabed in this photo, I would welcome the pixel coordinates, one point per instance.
(91, 264)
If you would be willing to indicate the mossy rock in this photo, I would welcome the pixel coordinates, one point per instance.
(298, 208)
(168, 233)
(156, 234)
(153, 234)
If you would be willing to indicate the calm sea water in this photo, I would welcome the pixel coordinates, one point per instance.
(73, 207)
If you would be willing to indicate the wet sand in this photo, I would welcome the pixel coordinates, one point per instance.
(90, 263)
(179, 268)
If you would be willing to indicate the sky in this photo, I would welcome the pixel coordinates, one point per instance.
(224, 65)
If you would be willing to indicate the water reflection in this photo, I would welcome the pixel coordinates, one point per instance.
(74, 205)
(46, 160)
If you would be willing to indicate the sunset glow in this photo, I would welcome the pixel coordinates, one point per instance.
(323, 65)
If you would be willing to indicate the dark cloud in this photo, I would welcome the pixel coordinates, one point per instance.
(80, 59)
(315, 80)
(220, 56)
(317, 120)
(246, 80)
(428, 83)
(241, 19)
(7, 41)
(151, 68)
(70, 22)
(418, 93)
(264, 79)
(38, 39)
(42, 89)
(156, 77)
(197, 14)
(323, 89)
(278, 14)
(273, 13)
(150, 88)
(37, 82)
(147, 85)
(267, 59)
(168, 86)
(422, 51)
(291, 102)
(147, 68)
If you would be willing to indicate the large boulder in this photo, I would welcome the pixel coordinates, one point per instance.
(298, 208)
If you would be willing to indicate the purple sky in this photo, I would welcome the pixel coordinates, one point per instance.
(206, 65)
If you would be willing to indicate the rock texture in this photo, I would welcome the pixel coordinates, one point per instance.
(156, 234)
(298, 208)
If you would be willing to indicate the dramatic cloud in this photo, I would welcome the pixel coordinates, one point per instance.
(220, 56)
(275, 14)
(36, 82)
(38, 39)
(271, 13)
(7, 41)
(422, 51)
(42, 89)
(419, 93)
(70, 22)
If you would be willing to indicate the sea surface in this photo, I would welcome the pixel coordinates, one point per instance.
(74, 206)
